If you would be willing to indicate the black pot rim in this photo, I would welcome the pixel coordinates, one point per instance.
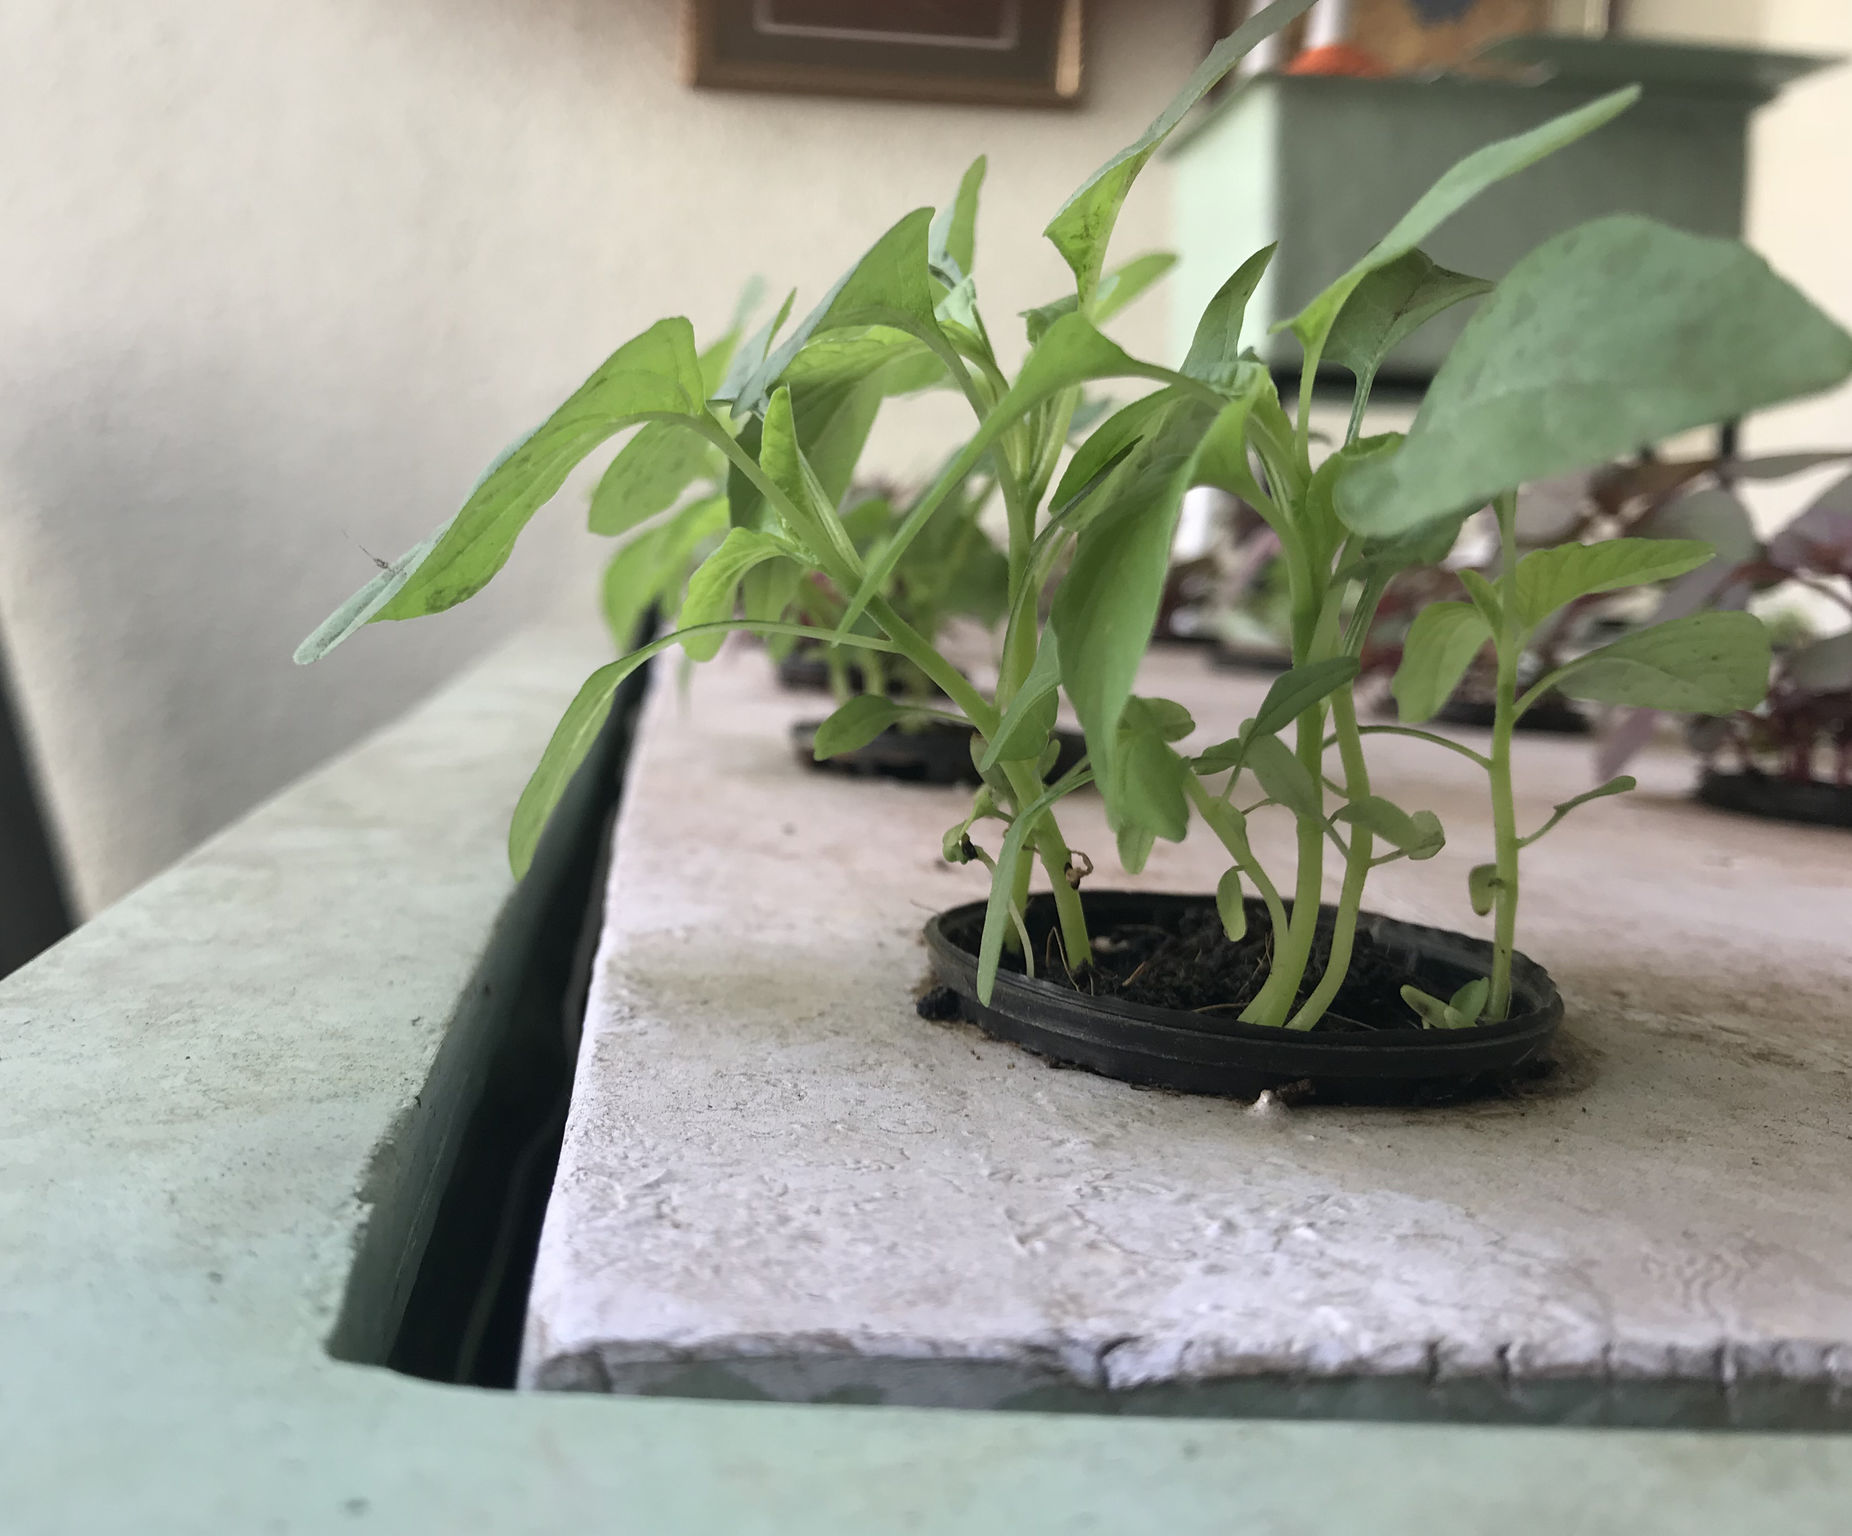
(1140, 1043)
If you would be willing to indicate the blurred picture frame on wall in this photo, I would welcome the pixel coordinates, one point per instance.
(1000, 52)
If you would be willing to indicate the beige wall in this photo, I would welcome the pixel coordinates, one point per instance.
(278, 277)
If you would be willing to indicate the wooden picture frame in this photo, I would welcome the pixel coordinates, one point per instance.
(1001, 52)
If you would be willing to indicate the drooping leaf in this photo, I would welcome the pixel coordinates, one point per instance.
(1548, 579)
(1417, 834)
(584, 718)
(952, 239)
(649, 473)
(1707, 664)
(1014, 849)
(653, 376)
(1230, 906)
(1441, 645)
(713, 590)
(1215, 349)
(1616, 333)
(1438, 1015)
(1484, 167)
(855, 724)
(1389, 305)
(1615, 786)
(1482, 885)
(1084, 225)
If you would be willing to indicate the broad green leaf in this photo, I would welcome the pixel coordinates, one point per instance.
(1223, 460)
(653, 567)
(1149, 792)
(1230, 905)
(653, 376)
(1390, 305)
(1707, 664)
(808, 512)
(1469, 1002)
(1320, 530)
(648, 475)
(585, 716)
(768, 590)
(1117, 289)
(1215, 349)
(1014, 849)
(1106, 606)
(1487, 601)
(1084, 225)
(1284, 777)
(1031, 714)
(1135, 841)
(1108, 446)
(1417, 834)
(891, 285)
(856, 724)
(1482, 885)
(1615, 333)
(1441, 645)
(951, 244)
(1549, 579)
(1483, 168)
(713, 590)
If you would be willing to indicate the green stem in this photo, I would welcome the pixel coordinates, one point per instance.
(1052, 849)
(1229, 833)
(1360, 403)
(1428, 736)
(1356, 865)
(1293, 948)
(1510, 643)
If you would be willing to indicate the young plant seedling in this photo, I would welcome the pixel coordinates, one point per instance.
(1544, 379)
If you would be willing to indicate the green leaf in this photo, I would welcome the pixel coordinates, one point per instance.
(1135, 841)
(1149, 791)
(1284, 777)
(1230, 905)
(1024, 729)
(653, 567)
(585, 716)
(809, 513)
(648, 475)
(1615, 786)
(1482, 885)
(1483, 168)
(1469, 1002)
(1441, 645)
(951, 244)
(1084, 225)
(1438, 1015)
(1390, 305)
(1109, 445)
(1549, 579)
(856, 724)
(1484, 599)
(1616, 333)
(654, 375)
(1215, 349)
(1296, 691)
(1117, 289)
(1707, 664)
(1106, 606)
(1071, 353)
(749, 358)
(714, 588)
(1417, 834)
(891, 285)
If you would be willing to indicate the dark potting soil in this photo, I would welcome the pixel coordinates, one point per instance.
(1189, 964)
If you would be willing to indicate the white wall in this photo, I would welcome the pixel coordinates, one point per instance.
(278, 277)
